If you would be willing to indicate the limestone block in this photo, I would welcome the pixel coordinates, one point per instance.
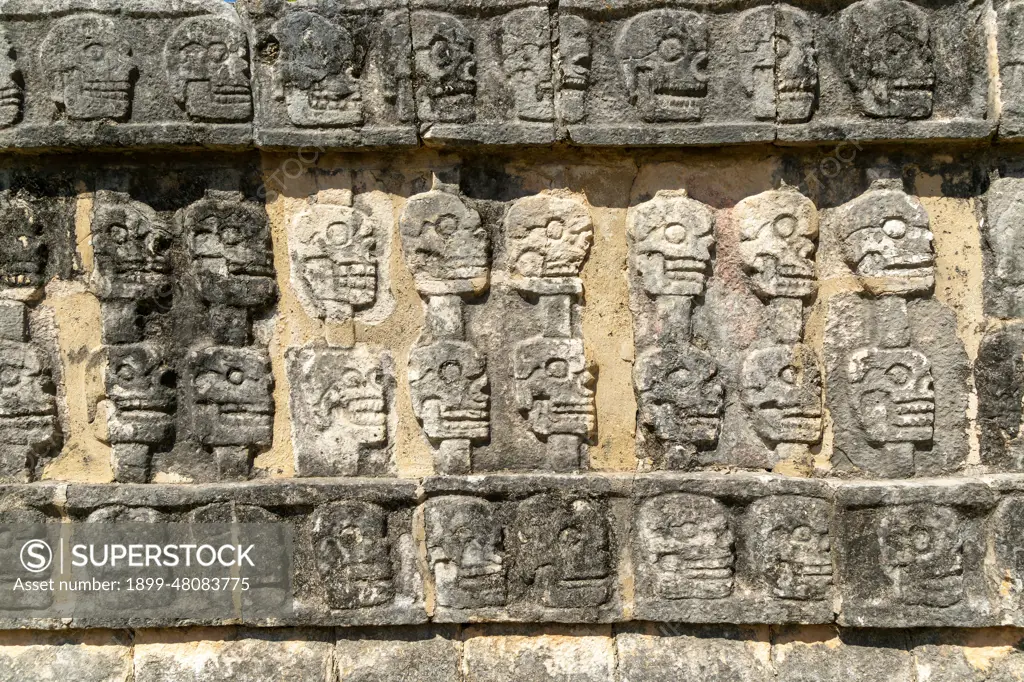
(539, 658)
(859, 657)
(713, 654)
(92, 656)
(396, 654)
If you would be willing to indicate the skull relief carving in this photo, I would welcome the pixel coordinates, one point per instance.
(465, 549)
(889, 60)
(922, 554)
(26, 389)
(89, 65)
(788, 538)
(207, 63)
(892, 394)
(12, 93)
(352, 406)
(554, 387)
(664, 55)
(782, 391)
(777, 233)
(318, 71)
(444, 243)
(445, 68)
(562, 555)
(131, 245)
(232, 396)
(334, 260)
(448, 382)
(574, 52)
(23, 252)
(781, 69)
(352, 554)
(686, 547)
(672, 240)
(142, 388)
(526, 53)
(548, 236)
(887, 240)
(680, 394)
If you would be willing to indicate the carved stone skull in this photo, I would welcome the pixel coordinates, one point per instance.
(334, 260)
(777, 233)
(680, 394)
(352, 555)
(554, 387)
(548, 235)
(229, 243)
(352, 406)
(207, 63)
(444, 243)
(445, 68)
(686, 546)
(782, 391)
(89, 65)
(892, 394)
(465, 549)
(448, 383)
(131, 245)
(664, 55)
(26, 389)
(787, 536)
(318, 71)
(12, 93)
(887, 240)
(526, 56)
(562, 556)
(922, 554)
(232, 396)
(672, 237)
(142, 387)
(574, 52)
(888, 58)
(780, 63)
(23, 252)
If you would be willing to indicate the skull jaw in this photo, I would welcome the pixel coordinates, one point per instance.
(776, 427)
(803, 581)
(883, 99)
(440, 427)
(140, 426)
(203, 102)
(97, 100)
(884, 420)
(306, 109)
(795, 106)
(655, 106)
(913, 588)
(672, 585)
(10, 105)
(526, 87)
(455, 108)
(353, 593)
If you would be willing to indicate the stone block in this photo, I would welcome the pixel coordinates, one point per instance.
(670, 651)
(855, 656)
(999, 378)
(88, 656)
(582, 656)
(398, 654)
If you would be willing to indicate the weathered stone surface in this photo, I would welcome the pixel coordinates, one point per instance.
(331, 75)
(342, 414)
(396, 654)
(859, 657)
(97, 656)
(713, 654)
(999, 377)
(1001, 232)
(545, 658)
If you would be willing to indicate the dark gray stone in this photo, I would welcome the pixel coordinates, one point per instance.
(1002, 250)
(999, 378)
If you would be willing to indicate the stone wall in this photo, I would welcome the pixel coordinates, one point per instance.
(636, 340)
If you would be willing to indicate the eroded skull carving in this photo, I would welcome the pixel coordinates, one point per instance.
(554, 387)
(142, 388)
(563, 553)
(548, 236)
(892, 394)
(922, 554)
(28, 410)
(207, 63)
(574, 62)
(664, 55)
(444, 243)
(787, 536)
(465, 549)
(352, 405)
(782, 391)
(229, 242)
(318, 71)
(89, 65)
(12, 91)
(889, 61)
(672, 239)
(23, 251)
(887, 240)
(131, 246)
(1011, 57)
(448, 383)
(232, 396)
(334, 260)
(445, 68)
(352, 554)
(680, 394)
(777, 233)
(781, 70)
(526, 56)
(686, 547)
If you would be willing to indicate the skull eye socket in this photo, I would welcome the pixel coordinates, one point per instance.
(351, 379)
(555, 229)
(802, 534)
(235, 376)
(557, 368)
(451, 372)
(921, 539)
(894, 228)
(125, 372)
(898, 374)
(232, 236)
(782, 45)
(95, 52)
(675, 233)
(218, 52)
(9, 376)
(785, 225)
(339, 233)
(119, 233)
(789, 374)
(447, 225)
(670, 49)
(441, 53)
